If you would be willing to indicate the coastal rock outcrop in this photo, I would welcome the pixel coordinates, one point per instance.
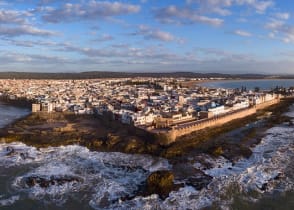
(45, 182)
(191, 176)
(161, 183)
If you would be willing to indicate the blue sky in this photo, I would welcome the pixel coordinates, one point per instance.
(225, 36)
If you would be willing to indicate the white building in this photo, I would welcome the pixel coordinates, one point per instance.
(217, 110)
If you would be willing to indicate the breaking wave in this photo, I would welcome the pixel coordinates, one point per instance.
(62, 173)
(111, 180)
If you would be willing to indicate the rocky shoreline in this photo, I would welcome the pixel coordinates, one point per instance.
(45, 130)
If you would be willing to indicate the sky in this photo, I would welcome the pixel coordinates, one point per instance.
(223, 36)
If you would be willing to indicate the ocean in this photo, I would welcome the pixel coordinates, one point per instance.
(73, 177)
(266, 84)
(10, 113)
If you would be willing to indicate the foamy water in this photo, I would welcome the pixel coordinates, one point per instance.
(104, 177)
(100, 180)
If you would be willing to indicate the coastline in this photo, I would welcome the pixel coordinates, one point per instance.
(104, 135)
(4, 129)
(54, 130)
(21, 102)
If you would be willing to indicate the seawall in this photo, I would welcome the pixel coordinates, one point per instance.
(187, 128)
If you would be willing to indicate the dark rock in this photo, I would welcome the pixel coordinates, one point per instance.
(279, 176)
(192, 176)
(24, 155)
(263, 187)
(235, 152)
(199, 182)
(97, 143)
(161, 183)
(130, 145)
(10, 151)
(45, 182)
(112, 140)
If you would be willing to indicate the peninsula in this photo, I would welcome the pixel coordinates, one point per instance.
(155, 110)
(165, 117)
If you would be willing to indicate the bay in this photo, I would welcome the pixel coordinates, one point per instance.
(266, 84)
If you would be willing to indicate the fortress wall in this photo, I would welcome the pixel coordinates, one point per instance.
(216, 121)
(187, 128)
(268, 103)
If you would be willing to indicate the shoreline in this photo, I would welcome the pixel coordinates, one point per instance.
(112, 133)
(54, 130)
(21, 102)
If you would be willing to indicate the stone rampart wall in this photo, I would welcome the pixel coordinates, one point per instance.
(187, 128)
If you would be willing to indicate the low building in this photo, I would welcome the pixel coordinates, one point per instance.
(205, 114)
(217, 110)
(36, 108)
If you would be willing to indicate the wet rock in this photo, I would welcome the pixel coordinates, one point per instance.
(10, 151)
(192, 176)
(218, 151)
(199, 182)
(24, 155)
(130, 145)
(161, 183)
(263, 187)
(279, 176)
(235, 152)
(97, 143)
(45, 182)
(112, 140)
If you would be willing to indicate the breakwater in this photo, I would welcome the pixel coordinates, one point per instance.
(169, 136)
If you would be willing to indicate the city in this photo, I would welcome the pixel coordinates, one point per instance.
(146, 105)
(155, 105)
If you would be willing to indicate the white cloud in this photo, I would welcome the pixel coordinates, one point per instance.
(174, 14)
(219, 7)
(104, 38)
(89, 11)
(199, 11)
(275, 25)
(242, 33)
(222, 7)
(11, 57)
(284, 16)
(13, 16)
(152, 33)
(280, 28)
(16, 23)
(24, 30)
(272, 35)
(259, 5)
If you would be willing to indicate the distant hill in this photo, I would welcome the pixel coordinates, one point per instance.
(104, 74)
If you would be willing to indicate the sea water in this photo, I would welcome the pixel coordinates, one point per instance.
(111, 180)
(266, 84)
(10, 113)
